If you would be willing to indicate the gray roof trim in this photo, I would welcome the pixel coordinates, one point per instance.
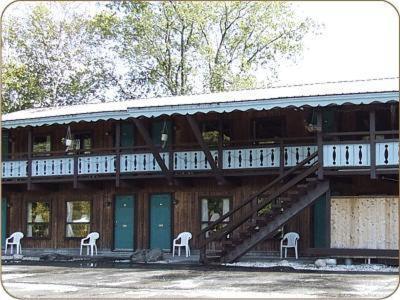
(192, 108)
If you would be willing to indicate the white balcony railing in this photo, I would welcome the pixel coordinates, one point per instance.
(141, 162)
(340, 155)
(387, 154)
(101, 164)
(53, 167)
(346, 155)
(14, 169)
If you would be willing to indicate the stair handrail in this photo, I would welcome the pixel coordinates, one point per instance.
(251, 197)
(232, 226)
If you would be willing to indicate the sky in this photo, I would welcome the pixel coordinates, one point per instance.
(358, 40)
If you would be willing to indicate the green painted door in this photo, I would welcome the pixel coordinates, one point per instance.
(124, 212)
(3, 220)
(160, 221)
(127, 135)
(159, 127)
(4, 145)
(320, 222)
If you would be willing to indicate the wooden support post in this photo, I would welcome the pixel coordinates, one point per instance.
(117, 153)
(328, 218)
(320, 146)
(372, 143)
(30, 147)
(281, 157)
(220, 142)
(156, 153)
(197, 133)
(75, 182)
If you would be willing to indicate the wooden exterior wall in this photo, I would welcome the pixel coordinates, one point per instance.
(186, 211)
(367, 222)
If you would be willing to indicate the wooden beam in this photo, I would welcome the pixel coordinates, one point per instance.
(372, 143)
(197, 133)
(351, 252)
(320, 147)
(75, 182)
(30, 146)
(156, 153)
(281, 158)
(117, 153)
(328, 218)
(220, 141)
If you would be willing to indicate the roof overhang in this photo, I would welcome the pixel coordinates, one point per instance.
(334, 94)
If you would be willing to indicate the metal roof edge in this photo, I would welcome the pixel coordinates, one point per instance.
(219, 107)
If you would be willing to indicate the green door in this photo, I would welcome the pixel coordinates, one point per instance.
(320, 222)
(124, 212)
(159, 127)
(3, 220)
(127, 135)
(160, 221)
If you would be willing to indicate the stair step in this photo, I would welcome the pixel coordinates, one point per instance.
(311, 179)
(244, 234)
(303, 186)
(261, 222)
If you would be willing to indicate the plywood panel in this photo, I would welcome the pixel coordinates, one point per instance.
(364, 222)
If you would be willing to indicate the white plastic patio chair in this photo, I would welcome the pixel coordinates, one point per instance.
(91, 237)
(291, 238)
(184, 238)
(14, 239)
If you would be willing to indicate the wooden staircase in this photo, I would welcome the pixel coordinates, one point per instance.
(251, 223)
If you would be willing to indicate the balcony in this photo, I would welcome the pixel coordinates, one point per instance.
(337, 157)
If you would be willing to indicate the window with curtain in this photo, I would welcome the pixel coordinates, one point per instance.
(83, 142)
(212, 208)
(41, 144)
(78, 219)
(38, 219)
(210, 133)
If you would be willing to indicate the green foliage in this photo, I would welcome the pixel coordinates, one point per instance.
(52, 59)
(57, 55)
(187, 47)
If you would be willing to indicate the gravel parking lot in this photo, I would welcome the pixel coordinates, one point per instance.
(173, 282)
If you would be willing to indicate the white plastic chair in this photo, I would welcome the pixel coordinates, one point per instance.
(14, 239)
(184, 238)
(92, 237)
(291, 238)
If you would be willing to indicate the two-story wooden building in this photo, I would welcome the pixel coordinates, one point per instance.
(236, 169)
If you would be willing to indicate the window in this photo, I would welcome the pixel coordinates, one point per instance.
(78, 219)
(212, 208)
(83, 142)
(38, 219)
(41, 144)
(268, 128)
(210, 133)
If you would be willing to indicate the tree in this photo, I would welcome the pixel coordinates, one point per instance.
(180, 48)
(52, 58)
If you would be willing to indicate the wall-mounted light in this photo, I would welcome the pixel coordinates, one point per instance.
(175, 201)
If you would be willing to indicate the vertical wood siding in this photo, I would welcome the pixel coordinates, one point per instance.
(369, 222)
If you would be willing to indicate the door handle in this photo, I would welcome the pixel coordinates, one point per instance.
(160, 225)
(124, 225)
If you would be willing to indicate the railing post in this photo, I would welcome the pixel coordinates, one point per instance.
(29, 171)
(75, 170)
(220, 143)
(281, 157)
(372, 143)
(203, 249)
(320, 146)
(117, 153)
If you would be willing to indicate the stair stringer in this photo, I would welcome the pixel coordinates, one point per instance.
(264, 232)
